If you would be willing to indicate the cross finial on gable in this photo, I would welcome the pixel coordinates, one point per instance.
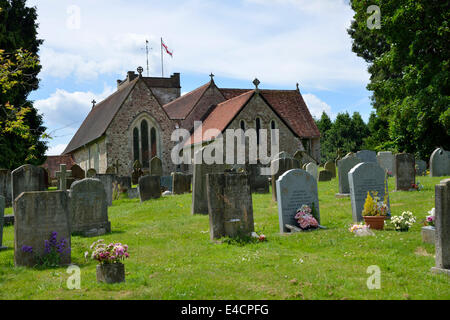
(212, 76)
(140, 70)
(256, 82)
(93, 102)
(298, 87)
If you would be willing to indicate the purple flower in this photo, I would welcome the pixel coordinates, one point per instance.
(27, 249)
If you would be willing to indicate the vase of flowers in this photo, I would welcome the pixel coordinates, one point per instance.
(110, 268)
(404, 221)
(375, 211)
(305, 217)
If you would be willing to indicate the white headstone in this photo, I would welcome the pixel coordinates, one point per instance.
(313, 170)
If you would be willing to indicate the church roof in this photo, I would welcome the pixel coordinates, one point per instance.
(182, 106)
(99, 118)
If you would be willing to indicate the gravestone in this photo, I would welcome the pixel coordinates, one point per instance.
(88, 209)
(442, 222)
(230, 206)
(440, 163)
(107, 180)
(137, 172)
(303, 157)
(405, 170)
(167, 182)
(364, 177)
(124, 181)
(200, 170)
(149, 187)
(421, 167)
(386, 160)
(46, 178)
(62, 176)
(367, 156)
(156, 167)
(27, 178)
(325, 175)
(331, 167)
(91, 173)
(296, 188)
(283, 165)
(77, 172)
(181, 183)
(5, 186)
(344, 166)
(110, 170)
(2, 212)
(258, 183)
(313, 170)
(37, 215)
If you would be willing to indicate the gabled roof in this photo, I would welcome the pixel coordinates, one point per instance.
(182, 106)
(99, 118)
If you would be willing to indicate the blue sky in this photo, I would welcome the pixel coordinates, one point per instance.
(88, 45)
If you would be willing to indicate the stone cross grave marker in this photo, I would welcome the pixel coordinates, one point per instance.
(442, 207)
(63, 175)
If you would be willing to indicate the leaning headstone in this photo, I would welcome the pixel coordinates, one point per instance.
(91, 173)
(77, 172)
(107, 180)
(366, 177)
(88, 208)
(405, 171)
(149, 187)
(421, 167)
(283, 165)
(440, 163)
(367, 156)
(156, 167)
(2, 212)
(230, 206)
(5, 186)
(386, 160)
(313, 170)
(166, 183)
(344, 166)
(331, 167)
(296, 188)
(37, 215)
(27, 178)
(325, 175)
(442, 213)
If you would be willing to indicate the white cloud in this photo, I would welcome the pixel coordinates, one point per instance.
(317, 106)
(56, 150)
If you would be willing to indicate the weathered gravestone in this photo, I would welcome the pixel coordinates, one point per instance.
(405, 171)
(5, 186)
(367, 156)
(107, 180)
(440, 163)
(277, 168)
(365, 177)
(181, 183)
(167, 182)
(313, 170)
(149, 187)
(124, 181)
(230, 206)
(386, 160)
(137, 172)
(296, 188)
(77, 172)
(27, 178)
(110, 170)
(88, 208)
(331, 167)
(421, 167)
(325, 175)
(201, 169)
(63, 175)
(47, 178)
(258, 183)
(344, 166)
(303, 157)
(91, 173)
(37, 216)
(156, 167)
(2, 212)
(442, 207)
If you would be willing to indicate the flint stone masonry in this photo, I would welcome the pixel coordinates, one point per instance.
(331, 167)
(107, 181)
(405, 171)
(27, 178)
(442, 223)
(325, 175)
(386, 160)
(440, 163)
(367, 156)
(88, 208)
(283, 165)
(2, 211)
(421, 167)
(295, 188)
(364, 177)
(149, 187)
(230, 206)
(344, 166)
(313, 170)
(37, 215)
(5, 186)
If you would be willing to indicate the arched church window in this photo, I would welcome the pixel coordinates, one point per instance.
(154, 150)
(144, 142)
(242, 125)
(135, 144)
(272, 125)
(258, 127)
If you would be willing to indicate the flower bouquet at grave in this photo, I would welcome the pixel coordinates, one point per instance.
(430, 219)
(416, 186)
(53, 251)
(404, 221)
(375, 211)
(361, 230)
(305, 217)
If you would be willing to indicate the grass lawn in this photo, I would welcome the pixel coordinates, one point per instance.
(173, 258)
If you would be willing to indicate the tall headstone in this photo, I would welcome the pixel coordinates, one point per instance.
(62, 176)
(421, 167)
(365, 177)
(5, 186)
(405, 171)
(313, 170)
(156, 167)
(27, 178)
(283, 165)
(91, 173)
(367, 156)
(149, 187)
(107, 180)
(230, 205)
(386, 160)
(37, 215)
(442, 222)
(344, 166)
(296, 188)
(440, 163)
(77, 172)
(331, 167)
(325, 175)
(88, 208)
(2, 212)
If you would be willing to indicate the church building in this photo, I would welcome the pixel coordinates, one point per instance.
(136, 121)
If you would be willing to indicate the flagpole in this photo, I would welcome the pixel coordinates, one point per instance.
(162, 60)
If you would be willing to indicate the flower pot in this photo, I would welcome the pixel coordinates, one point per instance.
(375, 222)
(111, 273)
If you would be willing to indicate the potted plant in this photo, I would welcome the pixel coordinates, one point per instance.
(429, 230)
(375, 211)
(404, 221)
(110, 268)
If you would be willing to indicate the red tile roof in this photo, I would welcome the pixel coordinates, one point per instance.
(182, 106)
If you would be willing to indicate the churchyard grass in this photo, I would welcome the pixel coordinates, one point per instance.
(173, 258)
